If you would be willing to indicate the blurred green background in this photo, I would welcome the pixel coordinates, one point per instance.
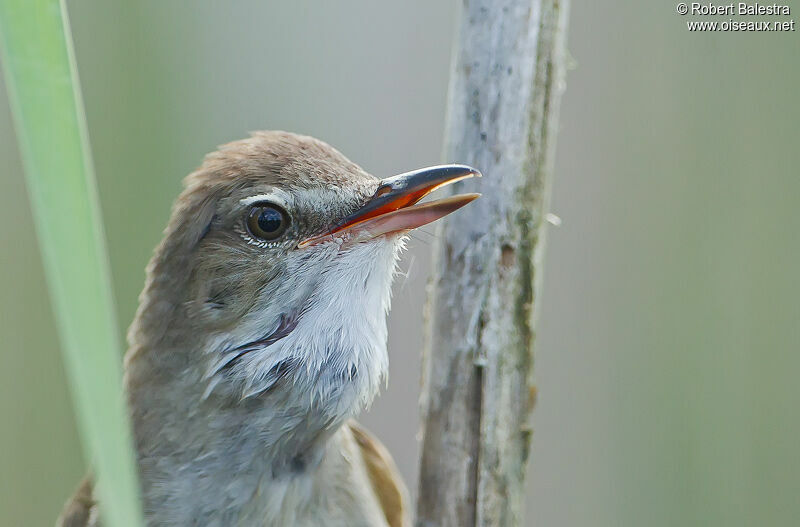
(669, 343)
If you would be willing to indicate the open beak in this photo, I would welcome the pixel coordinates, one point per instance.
(395, 208)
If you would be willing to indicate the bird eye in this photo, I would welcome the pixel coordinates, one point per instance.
(267, 222)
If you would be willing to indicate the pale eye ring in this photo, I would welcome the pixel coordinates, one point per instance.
(267, 221)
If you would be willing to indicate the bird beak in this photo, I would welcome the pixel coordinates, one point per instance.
(394, 206)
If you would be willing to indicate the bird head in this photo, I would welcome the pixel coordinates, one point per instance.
(275, 270)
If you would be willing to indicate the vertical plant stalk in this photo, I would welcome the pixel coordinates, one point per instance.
(41, 75)
(478, 391)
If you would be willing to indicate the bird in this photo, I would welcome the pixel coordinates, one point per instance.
(261, 334)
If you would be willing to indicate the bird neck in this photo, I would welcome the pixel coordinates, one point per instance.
(198, 456)
(191, 443)
(216, 461)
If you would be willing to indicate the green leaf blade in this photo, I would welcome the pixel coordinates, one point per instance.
(45, 100)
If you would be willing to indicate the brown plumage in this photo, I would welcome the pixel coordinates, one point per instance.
(383, 475)
(261, 332)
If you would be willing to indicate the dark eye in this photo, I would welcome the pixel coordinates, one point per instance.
(267, 222)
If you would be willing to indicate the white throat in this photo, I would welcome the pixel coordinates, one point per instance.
(335, 355)
(226, 457)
